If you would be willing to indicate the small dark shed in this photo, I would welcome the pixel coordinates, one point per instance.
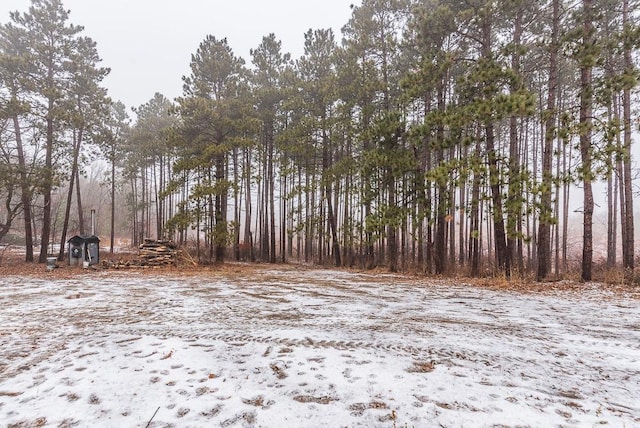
(84, 250)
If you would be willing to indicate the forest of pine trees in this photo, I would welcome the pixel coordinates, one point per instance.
(437, 136)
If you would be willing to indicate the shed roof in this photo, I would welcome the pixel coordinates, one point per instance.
(82, 239)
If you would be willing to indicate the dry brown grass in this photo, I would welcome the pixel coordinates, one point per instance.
(610, 280)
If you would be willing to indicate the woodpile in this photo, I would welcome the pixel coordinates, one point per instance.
(158, 253)
(152, 253)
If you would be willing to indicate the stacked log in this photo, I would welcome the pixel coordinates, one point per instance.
(152, 253)
(157, 253)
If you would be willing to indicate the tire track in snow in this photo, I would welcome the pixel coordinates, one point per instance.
(418, 352)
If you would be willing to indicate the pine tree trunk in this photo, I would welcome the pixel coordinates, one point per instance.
(81, 224)
(158, 180)
(421, 211)
(347, 234)
(134, 212)
(237, 204)
(475, 226)
(264, 206)
(494, 170)
(566, 166)
(392, 238)
(428, 202)
(283, 217)
(463, 211)
(557, 205)
(612, 185)
(47, 187)
(25, 190)
(440, 244)
(514, 201)
(308, 222)
(544, 225)
(198, 220)
(586, 108)
(451, 221)
(248, 237)
(440, 255)
(67, 211)
(143, 205)
(220, 236)
(629, 239)
(326, 165)
(272, 209)
(113, 200)
(612, 215)
(496, 196)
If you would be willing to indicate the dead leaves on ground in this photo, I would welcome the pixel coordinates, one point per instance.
(422, 367)
(358, 409)
(325, 399)
(278, 371)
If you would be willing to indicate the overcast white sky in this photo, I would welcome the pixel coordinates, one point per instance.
(148, 43)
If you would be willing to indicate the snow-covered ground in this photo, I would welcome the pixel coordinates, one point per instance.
(306, 348)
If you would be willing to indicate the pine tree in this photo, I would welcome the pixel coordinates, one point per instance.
(148, 156)
(317, 72)
(212, 112)
(269, 66)
(631, 37)
(87, 109)
(586, 56)
(111, 137)
(372, 36)
(14, 75)
(544, 231)
(46, 40)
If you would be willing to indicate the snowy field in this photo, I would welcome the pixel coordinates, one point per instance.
(281, 347)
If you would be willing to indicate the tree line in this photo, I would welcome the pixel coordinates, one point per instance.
(437, 135)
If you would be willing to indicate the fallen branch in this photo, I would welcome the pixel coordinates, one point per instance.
(187, 257)
(154, 415)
